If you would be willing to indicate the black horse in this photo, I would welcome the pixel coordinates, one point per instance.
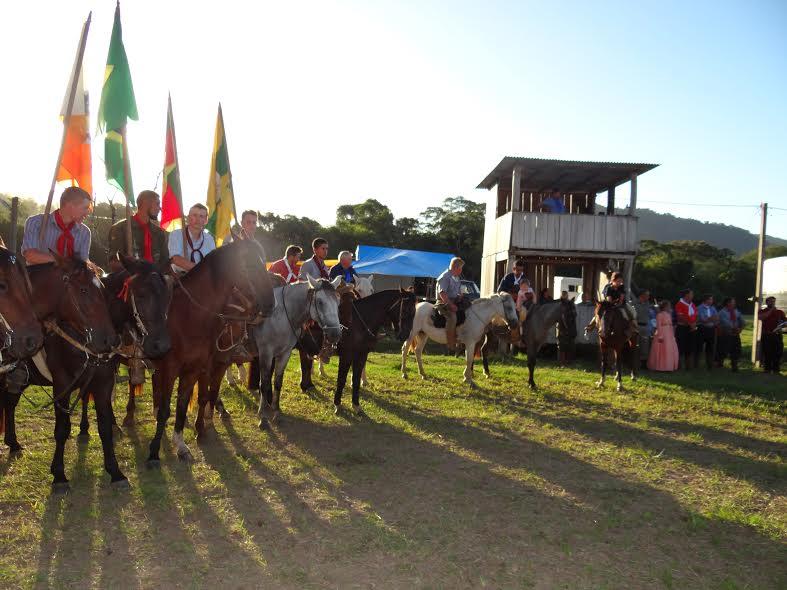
(368, 315)
(540, 319)
(138, 298)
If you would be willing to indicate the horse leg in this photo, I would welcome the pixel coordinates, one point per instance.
(485, 356)
(600, 382)
(84, 423)
(163, 382)
(204, 405)
(467, 376)
(278, 381)
(266, 391)
(419, 350)
(10, 403)
(619, 369)
(405, 352)
(341, 379)
(186, 385)
(359, 362)
(131, 405)
(364, 380)
(322, 372)
(307, 364)
(62, 432)
(102, 401)
(531, 367)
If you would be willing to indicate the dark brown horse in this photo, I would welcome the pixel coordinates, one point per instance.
(79, 343)
(20, 329)
(614, 340)
(138, 298)
(366, 317)
(196, 322)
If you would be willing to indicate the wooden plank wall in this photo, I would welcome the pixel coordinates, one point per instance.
(578, 233)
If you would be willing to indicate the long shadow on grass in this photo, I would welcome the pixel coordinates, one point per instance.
(767, 475)
(73, 550)
(643, 525)
(732, 439)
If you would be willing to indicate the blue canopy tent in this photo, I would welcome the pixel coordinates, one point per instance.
(401, 263)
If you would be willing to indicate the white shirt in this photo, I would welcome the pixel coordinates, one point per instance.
(197, 250)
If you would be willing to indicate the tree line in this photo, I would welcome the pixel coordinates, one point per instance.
(457, 227)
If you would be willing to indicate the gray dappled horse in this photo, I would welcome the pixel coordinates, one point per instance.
(540, 319)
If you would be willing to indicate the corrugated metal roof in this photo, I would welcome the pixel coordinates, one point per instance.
(565, 175)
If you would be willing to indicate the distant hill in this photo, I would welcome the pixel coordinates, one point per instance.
(663, 227)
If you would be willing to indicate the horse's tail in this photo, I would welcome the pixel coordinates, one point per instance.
(136, 389)
(478, 345)
(2, 418)
(194, 397)
(413, 344)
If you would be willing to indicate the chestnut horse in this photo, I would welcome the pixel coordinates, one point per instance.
(368, 315)
(197, 321)
(20, 329)
(613, 340)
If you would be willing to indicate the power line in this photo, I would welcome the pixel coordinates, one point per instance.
(701, 204)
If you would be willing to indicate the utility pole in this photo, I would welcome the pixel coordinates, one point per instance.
(757, 327)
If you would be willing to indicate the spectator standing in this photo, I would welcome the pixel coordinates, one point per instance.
(730, 323)
(772, 343)
(708, 321)
(663, 354)
(686, 330)
(643, 309)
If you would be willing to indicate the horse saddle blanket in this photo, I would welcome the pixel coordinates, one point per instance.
(439, 320)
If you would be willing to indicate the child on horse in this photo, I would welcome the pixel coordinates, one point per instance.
(614, 297)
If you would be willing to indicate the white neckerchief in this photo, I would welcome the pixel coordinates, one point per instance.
(290, 274)
(689, 306)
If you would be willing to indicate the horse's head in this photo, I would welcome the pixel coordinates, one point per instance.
(242, 263)
(402, 313)
(324, 306)
(82, 304)
(509, 310)
(568, 315)
(147, 294)
(363, 286)
(19, 327)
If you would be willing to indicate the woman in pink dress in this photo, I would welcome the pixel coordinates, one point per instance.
(663, 350)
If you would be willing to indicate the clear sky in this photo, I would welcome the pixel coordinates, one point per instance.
(327, 103)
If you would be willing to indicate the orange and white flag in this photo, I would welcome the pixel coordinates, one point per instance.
(75, 166)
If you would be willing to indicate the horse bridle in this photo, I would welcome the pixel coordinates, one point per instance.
(310, 295)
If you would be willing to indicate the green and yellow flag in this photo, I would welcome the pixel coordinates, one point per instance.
(117, 106)
(221, 198)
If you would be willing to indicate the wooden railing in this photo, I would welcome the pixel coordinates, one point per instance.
(574, 233)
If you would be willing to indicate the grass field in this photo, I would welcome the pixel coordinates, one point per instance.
(678, 483)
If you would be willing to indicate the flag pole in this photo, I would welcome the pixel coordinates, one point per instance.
(171, 125)
(229, 168)
(127, 191)
(66, 121)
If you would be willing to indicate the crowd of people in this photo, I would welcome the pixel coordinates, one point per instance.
(670, 337)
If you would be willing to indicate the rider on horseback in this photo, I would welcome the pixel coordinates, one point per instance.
(614, 296)
(450, 299)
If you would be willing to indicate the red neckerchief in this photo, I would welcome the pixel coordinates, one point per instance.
(321, 266)
(147, 249)
(65, 243)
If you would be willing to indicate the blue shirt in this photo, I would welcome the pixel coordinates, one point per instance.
(554, 205)
(705, 315)
(348, 274)
(80, 232)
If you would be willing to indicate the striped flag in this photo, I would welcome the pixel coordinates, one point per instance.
(75, 165)
(118, 105)
(221, 198)
(171, 195)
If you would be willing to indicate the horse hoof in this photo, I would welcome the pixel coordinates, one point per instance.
(358, 411)
(404, 376)
(423, 376)
(599, 384)
(364, 384)
(60, 488)
(83, 437)
(128, 421)
(337, 409)
(153, 463)
(620, 387)
(116, 430)
(275, 418)
(487, 375)
(532, 386)
(186, 456)
(15, 450)
(120, 484)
